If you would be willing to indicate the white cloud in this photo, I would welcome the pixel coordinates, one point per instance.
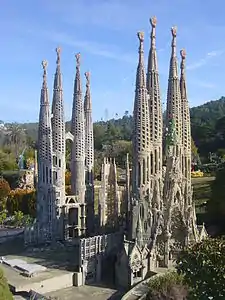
(105, 50)
(203, 61)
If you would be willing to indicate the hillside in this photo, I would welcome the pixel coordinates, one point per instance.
(207, 122)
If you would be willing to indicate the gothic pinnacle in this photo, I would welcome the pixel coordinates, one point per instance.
(57, 79)
(58, 52)
(140, 79)
(87, 76)
(44, 66)
(174, 35)
(153, 22)
(141, 47)
(87, 98)
(183, 58)
(155, 107)
(44, 97)
(77, 60)
(173, 93)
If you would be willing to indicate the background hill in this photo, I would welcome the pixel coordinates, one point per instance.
(208, 127)
(207, 122)
(113, 137)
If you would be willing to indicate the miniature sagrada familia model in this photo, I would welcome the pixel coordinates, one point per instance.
(160, 216)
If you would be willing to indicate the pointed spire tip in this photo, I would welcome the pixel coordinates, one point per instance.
(78, 59)
(87, 76)
(183, 53)
(153, 21)
(174, 31)
(44, 64)
(58, 52)
(141, 35)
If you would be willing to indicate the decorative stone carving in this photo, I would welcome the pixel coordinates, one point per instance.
(153, 21)
(140, 35)
(174, 31)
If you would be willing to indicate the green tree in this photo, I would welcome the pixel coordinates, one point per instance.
(7, 160)
(167, 286)
(203, 268)
(16, 138)
(120, 149)
(5, 293)
(216, 204)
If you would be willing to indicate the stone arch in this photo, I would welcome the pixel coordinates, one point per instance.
(70, 201)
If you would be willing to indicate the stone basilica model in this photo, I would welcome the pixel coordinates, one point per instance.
(154, 217)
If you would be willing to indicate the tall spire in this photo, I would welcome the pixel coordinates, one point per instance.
(140, 77)
(44, 132)
(89, 155)
(58, 137)
(173, 94)
(58, 118)
(141, 123)
(77, 95)
(44, 212)
(58, 76)
(152, 58)
(141, 147)
(186, 126)
(155, 107)
(89, 141)
(78, 131)
(44, 91)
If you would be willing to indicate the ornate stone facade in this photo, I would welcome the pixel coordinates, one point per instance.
(109, 197)
(159, 217)
(162, 215)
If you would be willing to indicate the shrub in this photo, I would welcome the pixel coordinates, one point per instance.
(5, 293)
(4, 192)
(23, 200)
(168, 286)
(203, 268)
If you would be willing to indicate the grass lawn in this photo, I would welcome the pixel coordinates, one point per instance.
(202, 189)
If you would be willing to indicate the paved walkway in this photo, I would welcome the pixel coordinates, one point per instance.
(86, 292)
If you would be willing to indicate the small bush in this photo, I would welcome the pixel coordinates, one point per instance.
(5, 293)
(168, 286)
(203, 268)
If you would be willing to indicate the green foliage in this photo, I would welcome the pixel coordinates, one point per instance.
(216, 205)
(4, 192)
(5, 293)
(167, 286)
(202, 189)
(3, 216)
(7, 160)
(22, 200)
(12, 177)
(203, 268)
(19, 218)
(208, 126)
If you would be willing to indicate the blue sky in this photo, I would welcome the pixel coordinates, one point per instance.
(104, 31)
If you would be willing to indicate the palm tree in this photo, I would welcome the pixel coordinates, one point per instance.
(15, 138)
